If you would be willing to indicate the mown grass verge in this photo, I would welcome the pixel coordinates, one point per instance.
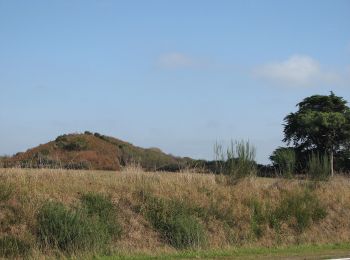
(302, 251)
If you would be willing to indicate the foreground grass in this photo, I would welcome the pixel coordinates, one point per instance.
(172, 215)
(292, 252)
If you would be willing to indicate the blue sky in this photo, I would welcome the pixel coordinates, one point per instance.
(177, 75)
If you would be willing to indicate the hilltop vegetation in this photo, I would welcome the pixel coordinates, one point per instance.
(135, 211)
(94, 152)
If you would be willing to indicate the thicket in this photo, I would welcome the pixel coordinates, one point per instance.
(177, 224)
(71, 143)
(297, 209)
(90, 227)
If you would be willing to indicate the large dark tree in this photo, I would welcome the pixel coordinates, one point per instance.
(322, 123)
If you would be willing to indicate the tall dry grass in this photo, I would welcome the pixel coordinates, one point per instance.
(225, 211)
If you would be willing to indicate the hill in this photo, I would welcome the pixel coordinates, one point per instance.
(94, 152)
(151, 214)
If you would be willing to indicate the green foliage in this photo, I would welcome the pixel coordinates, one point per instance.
(175, 223)
(237, 161)
(319, 167)
(302, 207)
(98, 205)
(224, 214)
(70, 230)
(11, 247)
(284, 159)
(71, 143)
(322, 123)
(297, 210)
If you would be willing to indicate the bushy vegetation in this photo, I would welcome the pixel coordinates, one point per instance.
(71, 143)
(319, 167)
(90, 227)
(175, 222)
(284, 159)
(100, 206)
(184, 211)
(68, 230)
(298, 210)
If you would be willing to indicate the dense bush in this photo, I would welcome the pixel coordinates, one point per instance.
(284, 159)
(69, 230)
(98, 205)
(297, 210)
(175, 223)
(11, 247)
(71, 143)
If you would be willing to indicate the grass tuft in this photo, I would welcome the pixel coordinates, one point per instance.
(11, 247)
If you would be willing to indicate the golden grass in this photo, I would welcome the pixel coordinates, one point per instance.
(32, 187)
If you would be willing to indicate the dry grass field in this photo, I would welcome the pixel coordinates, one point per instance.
(254, 212)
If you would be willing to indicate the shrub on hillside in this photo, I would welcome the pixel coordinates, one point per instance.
(175, 223)
(69, 230)
(297, 210)
(98, 205)
(71, 143)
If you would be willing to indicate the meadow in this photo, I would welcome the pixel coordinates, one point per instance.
(137, 214)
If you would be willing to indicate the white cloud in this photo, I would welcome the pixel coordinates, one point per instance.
(298, 70)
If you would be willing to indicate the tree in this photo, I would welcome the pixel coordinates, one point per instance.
(322, 123)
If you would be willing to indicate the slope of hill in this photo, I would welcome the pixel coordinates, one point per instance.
(93, 151)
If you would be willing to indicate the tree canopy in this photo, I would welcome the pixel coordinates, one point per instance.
(322, 123)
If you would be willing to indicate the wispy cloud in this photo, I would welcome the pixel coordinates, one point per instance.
(297, 70)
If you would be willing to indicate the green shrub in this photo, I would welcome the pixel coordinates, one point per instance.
(175, 223)
(284, 159)
(69, 230)
(71, 143)
(214, 210)
(319, 167)
(299, 210)
(102, 207)
(11, 247)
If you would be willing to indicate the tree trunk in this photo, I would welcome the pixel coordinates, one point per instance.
(332, 166)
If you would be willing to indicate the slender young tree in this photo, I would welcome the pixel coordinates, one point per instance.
(321, 123)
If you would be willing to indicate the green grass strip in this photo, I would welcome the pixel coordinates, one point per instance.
(319, 251)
